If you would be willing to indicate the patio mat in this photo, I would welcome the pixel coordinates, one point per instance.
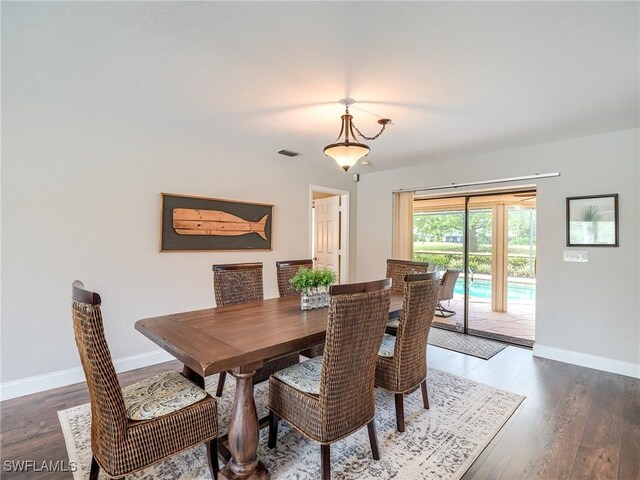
(467, 344)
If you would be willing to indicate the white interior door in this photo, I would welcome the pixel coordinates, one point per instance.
(327, 233)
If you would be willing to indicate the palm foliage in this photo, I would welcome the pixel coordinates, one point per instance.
(589, 214)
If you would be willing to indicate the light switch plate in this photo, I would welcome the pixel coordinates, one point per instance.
(580, 256)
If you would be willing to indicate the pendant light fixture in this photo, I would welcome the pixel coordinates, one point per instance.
(346, 153)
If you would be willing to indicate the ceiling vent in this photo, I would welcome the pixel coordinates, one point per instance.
(288, 153)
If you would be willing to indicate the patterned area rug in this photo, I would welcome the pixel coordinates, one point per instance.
(441, 442)
(468, 344)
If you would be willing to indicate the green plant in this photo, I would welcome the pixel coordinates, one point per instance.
(308, 278)
(325, 277)
(303, 279)
(589, 214)
(592, 215)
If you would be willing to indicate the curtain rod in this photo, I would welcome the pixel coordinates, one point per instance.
(481, 182)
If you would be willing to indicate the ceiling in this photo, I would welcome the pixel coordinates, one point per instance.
(456, 77)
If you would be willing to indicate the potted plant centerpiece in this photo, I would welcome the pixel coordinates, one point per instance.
(313, 285)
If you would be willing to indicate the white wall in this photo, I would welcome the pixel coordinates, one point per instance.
(81, 200)
(587, 313)
(104, 106)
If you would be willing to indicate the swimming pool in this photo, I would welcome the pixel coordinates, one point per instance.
(482, 289)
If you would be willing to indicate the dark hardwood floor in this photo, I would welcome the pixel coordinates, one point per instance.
(575, 423)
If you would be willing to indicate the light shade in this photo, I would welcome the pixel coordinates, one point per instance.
(346, 154)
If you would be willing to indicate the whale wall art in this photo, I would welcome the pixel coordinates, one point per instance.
(196, 223)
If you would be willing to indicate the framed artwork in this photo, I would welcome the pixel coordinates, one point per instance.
(196, 223)
(592, 221)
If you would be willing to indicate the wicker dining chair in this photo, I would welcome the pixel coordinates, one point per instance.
(330, 397)
(398, 269)
(286, 270)
(402, 360)
(392, 326)
(237, 283)
(144, 423)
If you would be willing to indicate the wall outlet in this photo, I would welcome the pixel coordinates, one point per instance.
(580, 256)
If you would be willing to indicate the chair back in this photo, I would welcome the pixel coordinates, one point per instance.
(414, 277)
(447, 284)
(410, 354)
(398, 269)
(236, 283)
(286, 271)
(108, 414)
(358, 314)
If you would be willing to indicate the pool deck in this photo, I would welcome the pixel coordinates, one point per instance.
(517, 325)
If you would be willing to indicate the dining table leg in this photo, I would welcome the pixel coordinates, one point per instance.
(195, 377)
(244, 431)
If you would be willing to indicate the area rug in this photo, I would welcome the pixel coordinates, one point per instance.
(467, 344)
(441, 442)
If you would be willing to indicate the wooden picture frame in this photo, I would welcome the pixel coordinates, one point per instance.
(191, 223)
(592, 221)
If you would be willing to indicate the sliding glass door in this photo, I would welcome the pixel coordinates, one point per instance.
(439, 238)
(521, 278)
(483, 295)
(487, 242)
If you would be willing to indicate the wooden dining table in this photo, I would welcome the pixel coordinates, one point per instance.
(239, 339)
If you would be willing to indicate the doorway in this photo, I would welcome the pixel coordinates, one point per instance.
(490, 240)
(329, 230)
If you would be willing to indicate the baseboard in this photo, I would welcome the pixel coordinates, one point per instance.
(628, 369)
(47, 381)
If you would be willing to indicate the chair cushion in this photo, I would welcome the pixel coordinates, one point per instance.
(303, 376)
(160, 395)
(388, 346)
(395, 323)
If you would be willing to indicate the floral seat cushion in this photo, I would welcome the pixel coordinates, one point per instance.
(160, 395)
(388, 346)
(304, 376)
